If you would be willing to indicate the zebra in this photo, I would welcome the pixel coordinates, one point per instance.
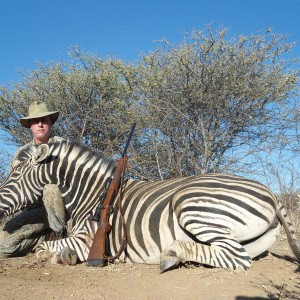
(218, 220)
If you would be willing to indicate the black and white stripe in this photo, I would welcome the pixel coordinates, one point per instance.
(214, 219)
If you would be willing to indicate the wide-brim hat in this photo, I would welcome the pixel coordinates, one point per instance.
(38, 109)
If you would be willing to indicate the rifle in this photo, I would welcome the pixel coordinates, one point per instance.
(97, 255)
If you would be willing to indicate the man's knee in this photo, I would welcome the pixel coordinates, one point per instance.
(17, 239)
(16, 244)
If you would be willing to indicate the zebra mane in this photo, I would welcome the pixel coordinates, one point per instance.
(85, 153)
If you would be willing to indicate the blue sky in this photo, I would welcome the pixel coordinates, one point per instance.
(42, 31)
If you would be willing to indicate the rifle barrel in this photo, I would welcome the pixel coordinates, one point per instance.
(129, 138)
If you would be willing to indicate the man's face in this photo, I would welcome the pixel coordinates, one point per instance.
(41, 129)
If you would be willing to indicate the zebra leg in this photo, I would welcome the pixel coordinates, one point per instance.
(215, 248)
(55, 207)
(66, 256)
(64, 251)
(71, 249)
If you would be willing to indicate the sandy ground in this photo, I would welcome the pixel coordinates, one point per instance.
(276, 276)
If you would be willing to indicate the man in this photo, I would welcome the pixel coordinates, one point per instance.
(40, 120)
(22, 233)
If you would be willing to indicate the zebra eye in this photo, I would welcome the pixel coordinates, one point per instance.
(16, 170)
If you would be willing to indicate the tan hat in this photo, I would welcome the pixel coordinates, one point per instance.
(38, 109)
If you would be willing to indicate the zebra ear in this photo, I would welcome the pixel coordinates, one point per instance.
(40, 154)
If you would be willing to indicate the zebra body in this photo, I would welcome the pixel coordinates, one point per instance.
(195, 212)
(214, 219)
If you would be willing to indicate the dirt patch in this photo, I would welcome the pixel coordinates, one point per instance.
(275, 276)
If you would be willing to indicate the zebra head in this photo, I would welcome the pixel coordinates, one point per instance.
(78, 172)
(23, 186)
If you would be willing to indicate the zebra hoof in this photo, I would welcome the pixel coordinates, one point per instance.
(68, 256)
(45, 256)
(168, 262)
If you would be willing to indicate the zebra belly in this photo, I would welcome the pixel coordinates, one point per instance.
(249, 231)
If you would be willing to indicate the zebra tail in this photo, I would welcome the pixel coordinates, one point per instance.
(290, 230)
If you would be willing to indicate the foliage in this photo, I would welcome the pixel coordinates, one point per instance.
(210, 98)
(5, 157)
(209, 104)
